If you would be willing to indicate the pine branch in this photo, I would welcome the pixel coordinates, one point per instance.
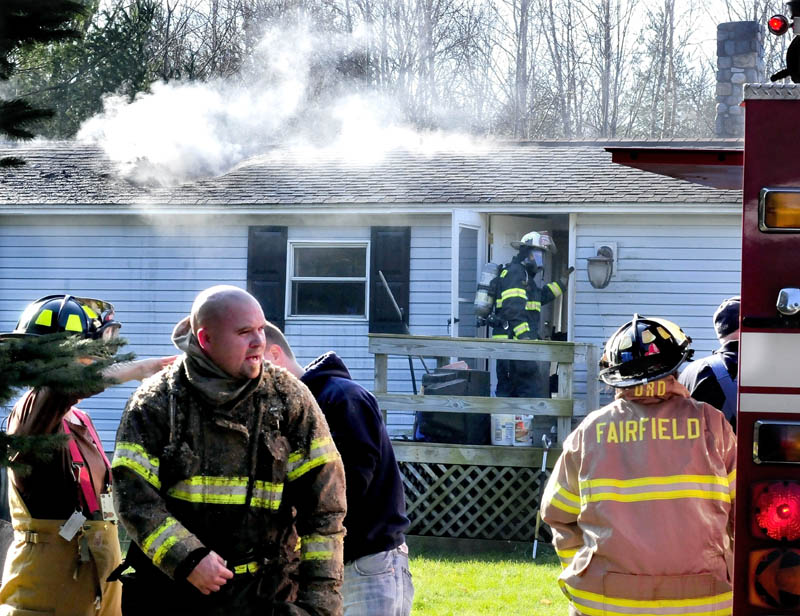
(18, 113)
(54, 361)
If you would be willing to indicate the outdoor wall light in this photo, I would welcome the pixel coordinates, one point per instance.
(601, 267)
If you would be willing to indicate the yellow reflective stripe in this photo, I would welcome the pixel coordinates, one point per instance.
(503, 273)
(562, 499)
(267, 495)
(499, 303)
(317, 547)
(648, 481)
(136, 458)
(322, 451)
(521, 329)
(500, 336)
(555, 288)
(73, 323)
(45, 318)
(684, 486)
(732, 484)
(211, 490)
(566, 556)
(657, 603)
(567, 495)
(89, 312)
(514, 292)
(162, 551)
(656, 495)
(157, 544)
(533, 305)
(250, 567)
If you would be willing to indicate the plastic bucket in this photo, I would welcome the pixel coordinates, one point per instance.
(502, 429)
(523, 430)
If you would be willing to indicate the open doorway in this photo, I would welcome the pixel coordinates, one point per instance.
(504, 229)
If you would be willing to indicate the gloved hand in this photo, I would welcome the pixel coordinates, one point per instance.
(564, 280)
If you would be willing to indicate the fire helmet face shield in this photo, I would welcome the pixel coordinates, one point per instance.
(643, 350)
(85, 317)
(533, 259)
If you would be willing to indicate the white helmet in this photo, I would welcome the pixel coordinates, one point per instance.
(536, 239)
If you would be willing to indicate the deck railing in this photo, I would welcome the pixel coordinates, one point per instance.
(480, 492)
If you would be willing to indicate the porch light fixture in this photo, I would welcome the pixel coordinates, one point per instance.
(601, 267)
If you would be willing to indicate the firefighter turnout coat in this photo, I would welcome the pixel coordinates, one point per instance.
(238, 481)
(641, 505)
(519, 301)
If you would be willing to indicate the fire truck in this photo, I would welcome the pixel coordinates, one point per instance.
(766, 577)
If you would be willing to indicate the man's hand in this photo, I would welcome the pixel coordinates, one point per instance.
(564, 280)
(210, 574)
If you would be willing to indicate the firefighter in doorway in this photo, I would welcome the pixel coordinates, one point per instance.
(641, 500)
(518, 304)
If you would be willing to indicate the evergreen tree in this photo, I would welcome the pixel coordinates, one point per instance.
(50, 361)
(24, 22)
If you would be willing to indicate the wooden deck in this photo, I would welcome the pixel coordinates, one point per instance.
(487, 493)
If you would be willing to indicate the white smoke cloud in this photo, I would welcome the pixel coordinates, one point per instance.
(184, 131)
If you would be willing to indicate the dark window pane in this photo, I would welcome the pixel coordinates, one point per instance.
(341, 262)
(340, 298)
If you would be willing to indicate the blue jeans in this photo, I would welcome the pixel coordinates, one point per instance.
(378, 585)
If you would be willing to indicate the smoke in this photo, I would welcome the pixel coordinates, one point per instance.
(289, 95)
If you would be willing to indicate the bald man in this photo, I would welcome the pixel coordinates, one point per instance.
(221, 462)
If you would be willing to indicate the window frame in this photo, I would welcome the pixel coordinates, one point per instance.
(291, 278)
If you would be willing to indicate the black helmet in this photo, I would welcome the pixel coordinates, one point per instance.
(643, 350)
(89, 318)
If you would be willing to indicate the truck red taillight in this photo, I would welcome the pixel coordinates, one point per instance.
(776, 509)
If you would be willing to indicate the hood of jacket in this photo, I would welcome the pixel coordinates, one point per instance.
(216, 385)
(321, 369)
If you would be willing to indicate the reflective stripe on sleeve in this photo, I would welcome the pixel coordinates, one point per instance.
(227, 491)
(522, 328)
(158, 543)
(136, 458)
(732, 484)
(533, 305)
(565, 500)
(673, 487)
(322, 451)
(566, 556)
(317, 547)
(555, 289)
(595, 604)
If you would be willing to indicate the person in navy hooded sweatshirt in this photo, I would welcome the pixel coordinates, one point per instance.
(377, 580)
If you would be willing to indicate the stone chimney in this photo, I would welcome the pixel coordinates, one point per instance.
(740, 59)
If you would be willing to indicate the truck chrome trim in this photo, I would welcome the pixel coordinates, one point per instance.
(771, 91)
(769, 403)
(769, 359)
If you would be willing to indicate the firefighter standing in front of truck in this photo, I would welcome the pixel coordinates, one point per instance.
(641, 500)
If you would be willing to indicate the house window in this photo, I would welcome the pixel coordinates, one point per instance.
(328, 279)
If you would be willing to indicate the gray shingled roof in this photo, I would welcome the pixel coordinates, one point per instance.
(66, 173)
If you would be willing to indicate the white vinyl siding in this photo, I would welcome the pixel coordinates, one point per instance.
(676, 267)
(152, 272)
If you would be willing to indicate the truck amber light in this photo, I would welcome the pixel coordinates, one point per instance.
(776, 509)
(775, 578)
(780, 209)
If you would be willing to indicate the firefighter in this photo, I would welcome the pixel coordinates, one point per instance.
(518, 304)
(47, 571)
(223, 464)
(641, 500)
(713, 379)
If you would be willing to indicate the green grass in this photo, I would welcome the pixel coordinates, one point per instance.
(498, 584)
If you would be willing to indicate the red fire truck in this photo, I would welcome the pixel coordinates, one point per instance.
(767, 534)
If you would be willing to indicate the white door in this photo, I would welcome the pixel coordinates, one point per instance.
(468, 257)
